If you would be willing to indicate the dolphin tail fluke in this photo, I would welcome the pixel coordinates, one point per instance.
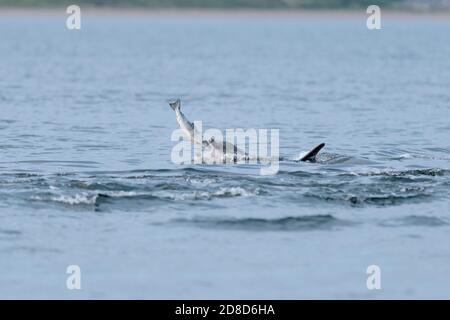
(175, 104)
(311, 155)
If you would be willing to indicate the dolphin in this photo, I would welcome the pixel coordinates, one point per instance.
(190, 131)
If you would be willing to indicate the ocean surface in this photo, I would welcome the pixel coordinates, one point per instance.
(86, 176)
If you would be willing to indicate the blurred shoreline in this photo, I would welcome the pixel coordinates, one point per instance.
(301, 13)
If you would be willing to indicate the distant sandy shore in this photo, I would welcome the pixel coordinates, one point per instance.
(275, 13)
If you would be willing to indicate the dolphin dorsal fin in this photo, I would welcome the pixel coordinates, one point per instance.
(311, 155)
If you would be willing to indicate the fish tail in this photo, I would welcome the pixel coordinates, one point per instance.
(175, 104)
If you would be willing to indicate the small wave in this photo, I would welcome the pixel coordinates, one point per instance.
(400, 173)
(123, 194)
(77, 199)
(224, 192)
(403, 156)
(100, 186)
(302, 223)
(402, 195)
(96, 198)
(300, 173)
(10, 232)
(144, 173)
(92, 198)
(20, 175)
(407, 156)
(415, 220)
(332, 158)
(236, 192)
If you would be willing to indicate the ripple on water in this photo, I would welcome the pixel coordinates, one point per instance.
(299, 223)
(96, 198)
(416, 220)
(373, 187)
(380, 195)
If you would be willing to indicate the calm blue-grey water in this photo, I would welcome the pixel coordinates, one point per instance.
(86, 177)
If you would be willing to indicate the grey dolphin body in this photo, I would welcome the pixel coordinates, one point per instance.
(225, 147)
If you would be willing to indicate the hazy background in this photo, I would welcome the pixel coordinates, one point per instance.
(275, 4)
